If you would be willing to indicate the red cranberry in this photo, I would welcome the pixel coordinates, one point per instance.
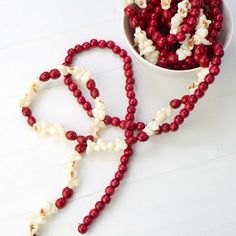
(26, 111)
(82, 228)
(165, 128)
(106, 199)
(67, 192)
(80, 148)
(60, 203)
(31, 120)
(99, 206)
(214, 70)
(180, 36)
(71, 135)
(130, 11)
(209, 79)
(172, 58)
(102, 44)
(93, 213)
(175, 103)
(161, 41)
(94, 42)
(174, 127)
(204, 61)
(87, 220)
(184, 113)
(143, 137)
(115, 183)
(115, 121)
(171, 39)
(140, 126)
(55, 74)
(109, 190)
(45, 76)
(178, 120)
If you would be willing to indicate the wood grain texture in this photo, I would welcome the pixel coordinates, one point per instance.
(181, 184)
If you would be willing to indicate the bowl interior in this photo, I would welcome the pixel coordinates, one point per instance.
(225, 37)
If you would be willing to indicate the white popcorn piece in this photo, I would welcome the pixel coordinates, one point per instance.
(160, 118)
(165, 4)
(183, 8)
(202, 74)
(200, 37)
(81, 75)
(186, 48)
(101, 145)
(127, 2)
(44, 128)
(73, 183)
(141, 3)
(202, 21)
(28, 97)
(71, 168)
(33, 228)
(40, 217)
(145, 46)
(176, 21)
(193, 87)
(148, 131)
(65, 70)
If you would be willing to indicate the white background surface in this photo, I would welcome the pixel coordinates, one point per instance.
(181, 184)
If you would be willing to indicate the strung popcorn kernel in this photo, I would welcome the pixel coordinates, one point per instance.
(145, 46)
(127, 2)
(71, 168)
(201, 76)
(101, 145)
(183, 8)
(44, 128)
(160, 118)
(41, 217)
(30, 94)
(202, 30)
(165, 4)
(140, 3)
(186, 48)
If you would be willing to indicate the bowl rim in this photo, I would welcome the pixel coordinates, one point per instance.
(139, 57)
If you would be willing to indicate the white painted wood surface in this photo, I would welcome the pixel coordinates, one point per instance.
(181, 184)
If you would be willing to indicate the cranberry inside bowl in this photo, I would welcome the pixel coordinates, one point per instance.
(224, 37)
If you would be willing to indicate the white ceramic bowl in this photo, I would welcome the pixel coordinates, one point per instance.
(225, 38)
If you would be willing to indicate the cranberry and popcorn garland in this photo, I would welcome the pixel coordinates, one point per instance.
(88, 143)
(128, 122)
(189, 23)
(205, 77)
(36, 220)
(157, 125)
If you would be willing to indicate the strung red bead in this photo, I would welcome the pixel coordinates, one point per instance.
(55, 74)
(26, 111)
(175, 103)
(106, 199)
(99, 206)
(109, 190)
(80, 148)
(60, 203)
(82, 228)
(31, 120)
(93, 213)
(45, 76)
(87, 220)
(67, 192)
(142, 136)
(71, 135)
